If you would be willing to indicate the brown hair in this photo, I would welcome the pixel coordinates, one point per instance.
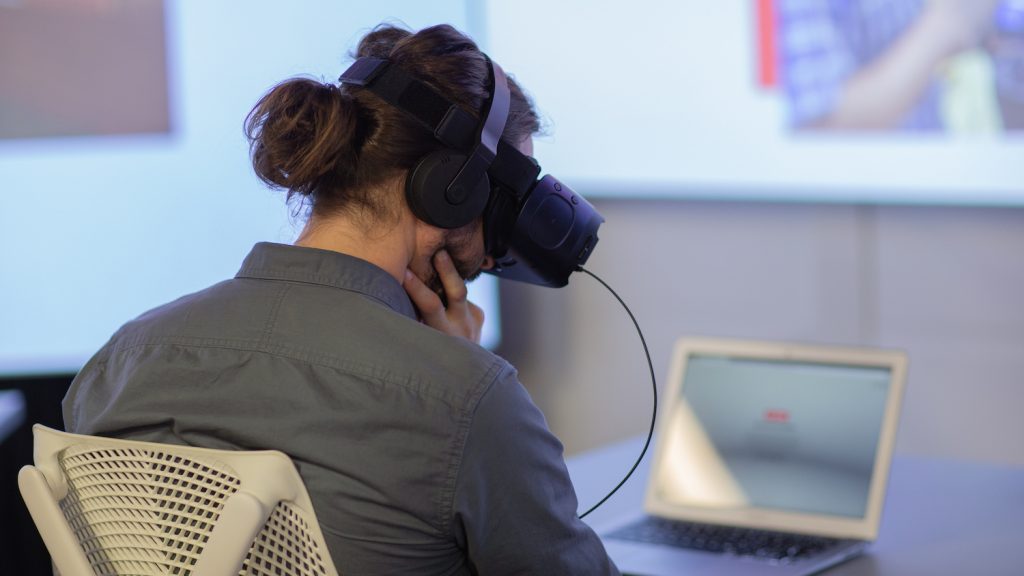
(336, 145)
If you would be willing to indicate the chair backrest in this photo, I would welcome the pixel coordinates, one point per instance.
(106, 506)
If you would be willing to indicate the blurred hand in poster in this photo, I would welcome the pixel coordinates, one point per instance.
(885, 65)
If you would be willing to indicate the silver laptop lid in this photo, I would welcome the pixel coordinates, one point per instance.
(778, 436)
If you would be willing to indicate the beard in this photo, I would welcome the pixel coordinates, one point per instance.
(467, 258)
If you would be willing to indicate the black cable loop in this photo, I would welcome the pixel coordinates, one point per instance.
(654, 388)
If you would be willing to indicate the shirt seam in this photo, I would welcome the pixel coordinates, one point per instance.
(320, 359)
(268, 328)
(458, 449)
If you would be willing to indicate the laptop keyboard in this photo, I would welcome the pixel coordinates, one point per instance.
(778, 546)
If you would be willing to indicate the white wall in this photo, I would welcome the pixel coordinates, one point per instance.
(187, 201)
(944, 283)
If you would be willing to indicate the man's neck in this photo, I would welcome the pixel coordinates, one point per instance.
(386, 245)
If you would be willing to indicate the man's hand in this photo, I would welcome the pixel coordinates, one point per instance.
(461, 317)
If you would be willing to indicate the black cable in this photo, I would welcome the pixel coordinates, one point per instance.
(654, 388)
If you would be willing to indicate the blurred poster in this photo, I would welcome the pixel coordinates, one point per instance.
(82, 68)
(905, 65)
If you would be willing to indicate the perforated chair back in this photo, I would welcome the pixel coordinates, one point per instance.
(106, 506)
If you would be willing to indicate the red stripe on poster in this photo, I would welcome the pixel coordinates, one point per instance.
(768, 71)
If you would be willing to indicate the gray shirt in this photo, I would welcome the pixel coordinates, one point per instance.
(422, 452)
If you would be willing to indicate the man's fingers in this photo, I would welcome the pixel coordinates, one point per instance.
(427, 303)
(461, 317)
(454, 285)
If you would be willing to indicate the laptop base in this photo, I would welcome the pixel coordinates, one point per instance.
(641, 559)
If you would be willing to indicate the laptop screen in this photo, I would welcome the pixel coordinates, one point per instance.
(780, 434)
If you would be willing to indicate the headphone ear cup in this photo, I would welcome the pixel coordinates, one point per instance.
(426, 191)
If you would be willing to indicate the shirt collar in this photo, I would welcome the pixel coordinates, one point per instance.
(270, 261)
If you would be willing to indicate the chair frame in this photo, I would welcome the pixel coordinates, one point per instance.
(267, 478)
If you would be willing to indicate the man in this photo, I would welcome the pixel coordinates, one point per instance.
(353, 351)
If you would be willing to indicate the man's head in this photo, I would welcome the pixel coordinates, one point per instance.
(343, 150)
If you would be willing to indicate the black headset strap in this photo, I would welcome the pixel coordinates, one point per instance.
(451, 125)
(495, 113)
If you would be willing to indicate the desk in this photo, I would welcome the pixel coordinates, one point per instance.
(941, 516)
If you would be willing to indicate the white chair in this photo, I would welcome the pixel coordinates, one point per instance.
(110, 507)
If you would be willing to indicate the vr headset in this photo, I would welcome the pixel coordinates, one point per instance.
(537, 230)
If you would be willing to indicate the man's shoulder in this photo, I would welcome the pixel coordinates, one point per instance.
(418, 353)
(356, 328)
(178, 316)
(326, 328)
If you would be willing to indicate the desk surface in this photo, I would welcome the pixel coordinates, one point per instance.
(940, 517)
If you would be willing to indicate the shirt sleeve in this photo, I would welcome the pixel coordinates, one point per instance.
(515, 509)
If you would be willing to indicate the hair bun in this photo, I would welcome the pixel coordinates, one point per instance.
(302, 136)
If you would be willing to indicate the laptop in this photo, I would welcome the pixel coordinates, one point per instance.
(770, 458)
